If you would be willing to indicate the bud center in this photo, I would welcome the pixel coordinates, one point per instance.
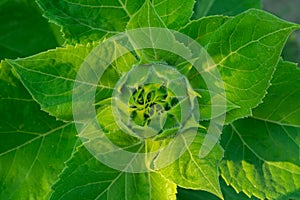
(150, 101)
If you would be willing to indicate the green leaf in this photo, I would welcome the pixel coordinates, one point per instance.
(172, 13)
(87, 21)
(86, 178)
(169, 14)
(246, 56)
(219, 7)
(33, 145)
(262, 152)
(255, 163)
(228, 193)
(147, 16)
(192, 172)
(49, 77)
(164, 14)
(23, 30)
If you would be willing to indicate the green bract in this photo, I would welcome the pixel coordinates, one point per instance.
(157, 121)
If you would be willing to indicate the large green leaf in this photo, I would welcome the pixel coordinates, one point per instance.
(245, 54)
(86, 178)
(219, 7)
(262, 152)
(33, 145)
(246, 50)
(23, 30)
(49, 77)
(190, 171)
